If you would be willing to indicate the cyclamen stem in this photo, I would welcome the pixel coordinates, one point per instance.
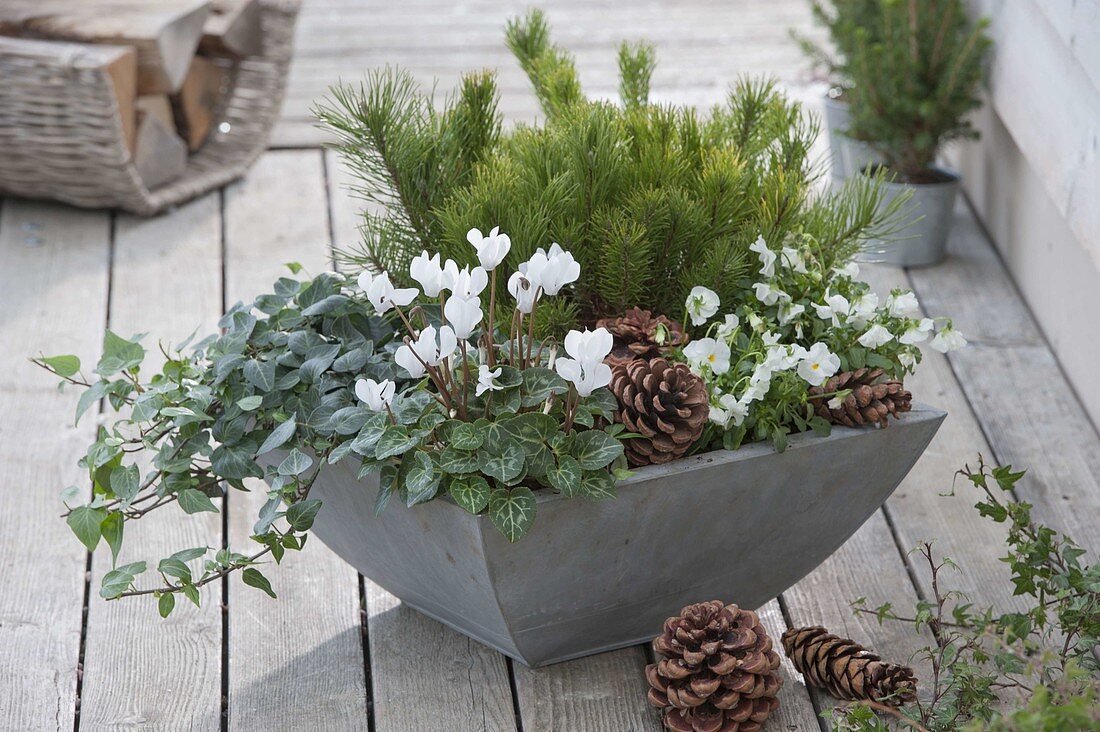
(572, 399)
(401, 313)
(465, 380)
(433, 374)
(490, 324)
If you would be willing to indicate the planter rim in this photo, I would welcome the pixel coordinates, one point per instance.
(954, 175)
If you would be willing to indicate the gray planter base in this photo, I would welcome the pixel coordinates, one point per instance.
(594, 576)
(927, 216)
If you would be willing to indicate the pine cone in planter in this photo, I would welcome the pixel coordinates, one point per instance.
(846, 669)
(869, 402)
(665, 403)
(717, 671)
(638, 334)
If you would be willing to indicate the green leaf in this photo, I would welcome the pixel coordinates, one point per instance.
(597, 485)
(531, 430)
(565, 477)
(62, 365)
(408, 407)
(165, 604)
(595, 449)
(452, 460)
(85, 523)
(234, 463)
(249, 403)
(512, 511)
(253, 578)
(119, 354)
(192, 500)
(394, 441)
(349, 420)
(111, 528)
(90, 396)
(466, 436)
(279, 436)
(300, 515)
(295, 463)
(503, 460)
(539, 384)
(423, 478)
(471, 492)
(261, 374)
(118, 580)
(174, 567)
(125, 482)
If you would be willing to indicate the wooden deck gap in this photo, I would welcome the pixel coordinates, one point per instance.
(364, 629)
(223, 715)
(786, 612)
(330, 220)
(515, 694)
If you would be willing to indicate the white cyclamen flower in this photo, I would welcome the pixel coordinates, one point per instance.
(552, 271)
(464, 315)
(702, 303)
(709, 352)
(947, 340)
(487, 380)
(432, 277)
(492, 249)
(875, 336)
(382, 294)
(818, 364)
(793, 259)
(767, 294)
(918, 333)
(586, 376)
(430, 349)
(728, 326)
(590, 346)
(767, 256)
(469, 283)
(524, 290)
(376, 395)
(903, 305)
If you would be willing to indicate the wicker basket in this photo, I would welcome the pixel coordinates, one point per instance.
(61, 134)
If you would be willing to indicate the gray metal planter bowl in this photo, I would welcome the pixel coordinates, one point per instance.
(849, 156)
(927, 216)
(593, 576)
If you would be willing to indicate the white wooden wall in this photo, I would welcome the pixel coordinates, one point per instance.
(1034, 178)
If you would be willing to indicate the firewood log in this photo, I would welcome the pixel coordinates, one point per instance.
(160, 156)
(194, 105)
(232, 29)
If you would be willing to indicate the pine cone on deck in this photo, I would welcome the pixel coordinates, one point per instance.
(665, 403)
(640, 334)
(869, 402)
(846, 669)
(717, 671)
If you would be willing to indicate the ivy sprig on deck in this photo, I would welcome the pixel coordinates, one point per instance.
(216, 414)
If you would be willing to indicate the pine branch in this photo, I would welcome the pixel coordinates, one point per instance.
(636, 64)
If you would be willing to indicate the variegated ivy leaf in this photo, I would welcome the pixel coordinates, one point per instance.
(394, 441)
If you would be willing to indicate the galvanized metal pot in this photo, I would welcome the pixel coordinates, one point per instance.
(923, 241)
(594, 576)
(848, 156)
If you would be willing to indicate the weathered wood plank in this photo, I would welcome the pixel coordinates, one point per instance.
(140, 670)
(53, 293)
(295, 662)
(1022, 399)
(796, 710)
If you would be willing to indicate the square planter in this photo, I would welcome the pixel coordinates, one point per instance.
(594, 576)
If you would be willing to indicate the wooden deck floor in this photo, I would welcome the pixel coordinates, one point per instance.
(336, 652)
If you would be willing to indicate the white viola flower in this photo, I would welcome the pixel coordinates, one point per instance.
(552, 270)
(383, 295)
(756, 322)
(767, 294)
(464, 315)
(850, 270)
(591, 346)
(759, 384)
(793, 258)
(709, 352)
(492, 249)
(948, 340)
(376, 395)
(487, 380)
(702, 303)
(779, 358)
(586, 377)
(524, 291)
(429, 349)
(432, 277)
(767, 256)
(788, 312)
(835, 307)
(718, 415)
(469, 283)
(737, 409)
(918, 333)
(835, 403)
(728, 326)
(907, 359)
(818, 364)
(769, 338)
(875, 336)
(903, 305)
(863, 310)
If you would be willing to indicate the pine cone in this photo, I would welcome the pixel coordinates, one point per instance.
(869, 402)
(665, 403)
(638, 334)
(846, 669)
(717, 671)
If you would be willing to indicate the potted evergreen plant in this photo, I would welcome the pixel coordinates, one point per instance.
(663, 288)
(915, 79)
